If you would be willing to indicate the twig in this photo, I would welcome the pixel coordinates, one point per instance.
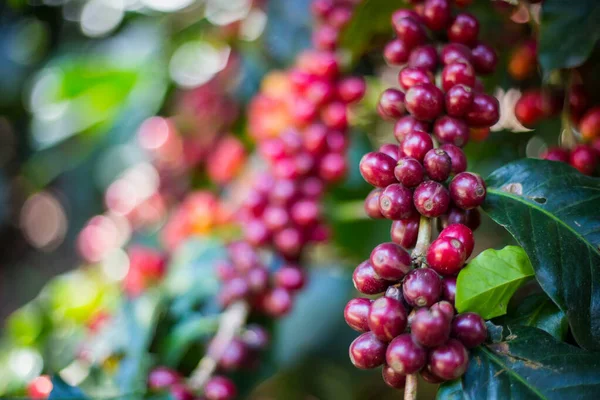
(410, 388)
(423, 240)
(232, 320)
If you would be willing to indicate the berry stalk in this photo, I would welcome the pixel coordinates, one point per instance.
(423, 240)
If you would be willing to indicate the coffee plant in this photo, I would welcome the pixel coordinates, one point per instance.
(445, 151)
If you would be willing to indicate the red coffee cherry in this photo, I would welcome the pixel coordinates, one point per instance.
(410, 31)
(556, 154)
(430, 328)
(455, 52)
(451, 130)
(584, 159)
(449, 361)
(356, 314)
(416, 144)
(484, 111)
(467, 190)
(378, 169)
(449, 289)
(458, 73)
(426, 102)
(437, 164)
(462, 233)
(469, 328)
(392, 150)
(367, 281)
(407, 124)
(372, 204)
(404, 232)
(436, 14)
(404, 355)
(590, 124)
(392, 378)
(396, 52)
(425, 57)
(391, 104)
(458, 100)
(411, 76)
(390, 261)
(387, 318)
(431, 199)
(484, 59)
(366, 351)
(421, 287)
(464, 29)
(409, 172)
(446, 256)
(395, 202)
(458, 160)
(220, 388)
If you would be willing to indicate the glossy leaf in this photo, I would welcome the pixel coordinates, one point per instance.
(487, 283)
(540, 312)
(552, 211)
(528, 364)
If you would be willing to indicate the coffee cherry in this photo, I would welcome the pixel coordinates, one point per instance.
(277, 302)
(387, 318)
(220, 388)
(449, 289)
(409, 172)
(426, 101)
(356, 314)
(275, 218)
(584, 159)
(449, 361)
(531, 108)
(421, 287)
(458, 73)
(351, 89)
(405, 13)
(431, 199)
(391, 104)
(404, 232)
(390, 261)
(233, 290)
(436, 14)
(464, 29)
(162, 378)
(404, 355)
(392, 150)
(446, 256)
(372, 204)
(484, 59)
(424, 57)
(523, 61)
(484, 111)
(437, 164)
(392, 378)
(234, 356)
(462, 233)
(411, 76)
(430, 328)
(444, 308)
(367, 281)
(428, 376)
(556, 154)
(451, 130)
(407, 124)
(467, 190)
(289, 242)
(416, 144)
(469, 328)
(291, 278)
(395, 202)
(366, 351)
(458, 160)
(333, 167)
(455, 52)
(458, 100)
(284, 192)
(377, 169)
(256, 337)
(181, 392)
(305, 212)
(257, 279)
(590, 124)
(410, 32)
(396, 52)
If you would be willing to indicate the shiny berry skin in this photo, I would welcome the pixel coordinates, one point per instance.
(162, 378)
(181, 392)
(277, 302)
(449, 361)
(436, 14)
(445, 308)
(411, 76)
(290, 277)
(462, 233)
(424, 57)
(351, 89)
(305, 212)
(404, 355)
(390, 261)
(289, 241)
(220, 388)
(584, 159)
(396, 52)
(256, 337)
(235, 355)
(431, 199)
(391, 104)
(422, 287)
(407, 124)
(467, 190)
(451, 130)
(455, 52)
(372, 204)
(416, 144)
(387, 318)
(437, 164)
(404, 232)
(392, 150)
(366, 351)
(446, 256)
(590, 124)
(378, 169)
(405, 13)
(458, 160)
(484, 59)
(471, 218)
(428, 376)
(409, 172)
(484, 112)
(425, 101)
(333, 167)
(458, 73)
(257, 279)
(458, 100)
(530, 108)
(356, 314)
(449, 289)
(430, 328)
(395, 202)
(410, 32)
(367, 281)
(464, 29)
(469, 328)
(275, 217)
(556, 154)
(392, 378)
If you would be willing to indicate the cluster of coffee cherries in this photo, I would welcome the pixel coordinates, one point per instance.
(331, 16)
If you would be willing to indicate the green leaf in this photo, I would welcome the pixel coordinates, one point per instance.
(528, 364)
(552, 211)
(568, 33)
(487, 283)
(540, 312)
(184, 333)
(62, 391)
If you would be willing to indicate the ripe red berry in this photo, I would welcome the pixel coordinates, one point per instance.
(410, 31)
(590, 124)
(424, 57)
(275, 217)
(430, 328)
(556, 154)
(390, 261)
(464, 29)
(256, 337)
(425, 101)
(339, 16)
(333, 167)
(387, 318)
(436, 14)
(471, 218)
(469, 328)
(437, 164)
(404, 232)
(395, 202)
(405, 13)
(392, 378)
(305, 212)
(451, 130)
(378, 169)
(162, 378)
(181, 392)
(530, 108)
(458, 100)
(372, 204)
(409, 172)
(220, 388)
(462, 233)
(404, 355)
(366, 351)
(584, 159)
(396, 52)
(467, 190)
(391, 104)
(367, 281)
(289, 277)
(392, 150)
(446, 256)
(458, 160)
(455, 52)
(277, 302)
(458, 73)
(407, 124)
(428, 376)
(422, 287)
(484, 111)
(411, 76)
(431, 199)
(356, 314)
(235, 355)
(351, 89)
(449, 289)
(416, 144)
(443, 307)
(257, 279)
(449, 361)
(484, 59)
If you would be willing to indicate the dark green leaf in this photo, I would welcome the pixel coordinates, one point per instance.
(487, 283)
(528, 364)
(62, 391)
(568, 32)
(552, 211)
(540, 312)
